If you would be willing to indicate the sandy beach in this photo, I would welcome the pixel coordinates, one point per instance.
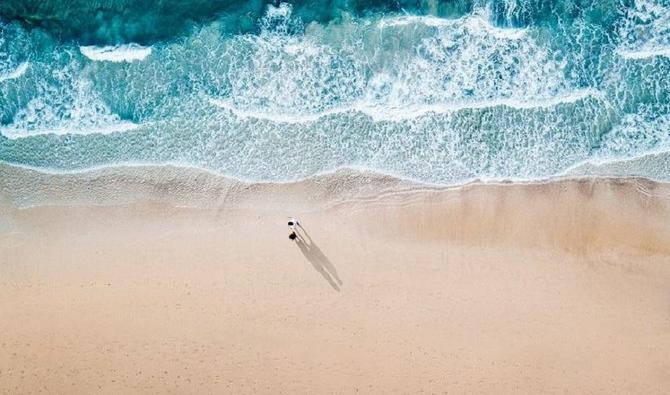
(558, 287)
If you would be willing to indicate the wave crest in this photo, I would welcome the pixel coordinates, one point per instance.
(118, 53)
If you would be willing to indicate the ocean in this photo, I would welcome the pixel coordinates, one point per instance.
(441, 92)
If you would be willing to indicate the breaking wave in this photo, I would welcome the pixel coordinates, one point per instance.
(119, 53)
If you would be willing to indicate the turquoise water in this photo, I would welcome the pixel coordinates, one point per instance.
(438, 91)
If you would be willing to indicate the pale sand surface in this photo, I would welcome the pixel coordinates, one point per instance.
(561, 287)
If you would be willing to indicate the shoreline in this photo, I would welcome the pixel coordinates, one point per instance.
(578, 171)
(191, 178)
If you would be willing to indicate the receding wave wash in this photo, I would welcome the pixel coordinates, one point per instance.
(436, 91)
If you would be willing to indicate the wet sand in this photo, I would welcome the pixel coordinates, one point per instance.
(560, 287)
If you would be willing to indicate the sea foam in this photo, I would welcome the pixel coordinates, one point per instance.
(119, 53)
(121, 126)
(644, 53)
(16, 73)
(385, 113)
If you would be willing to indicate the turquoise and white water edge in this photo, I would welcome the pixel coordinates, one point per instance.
(440, 92)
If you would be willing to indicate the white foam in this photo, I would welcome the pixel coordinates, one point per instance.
(16, 73)
(122, 126)
(118, 53)
(481, 24)
(273, 117)
(418, 110)
(645, 30)
(653, 164)
(644, 53)
(461, 63)
(413, 19)
(69, 104)
(385, 113)
(477, 24)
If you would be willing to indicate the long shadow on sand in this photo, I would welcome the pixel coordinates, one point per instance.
(318, 259)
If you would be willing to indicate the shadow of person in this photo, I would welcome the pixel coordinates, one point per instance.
(318, 259)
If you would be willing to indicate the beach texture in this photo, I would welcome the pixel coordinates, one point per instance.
(557, 287)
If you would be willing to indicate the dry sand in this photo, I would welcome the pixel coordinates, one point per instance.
(561, 287)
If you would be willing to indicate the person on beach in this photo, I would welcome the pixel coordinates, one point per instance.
(293, 225)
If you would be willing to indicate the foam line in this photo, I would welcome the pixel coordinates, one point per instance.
(645, 53)
(388, 113)
(16, 73)
(123, 126)
(119, 53)
(477, 23)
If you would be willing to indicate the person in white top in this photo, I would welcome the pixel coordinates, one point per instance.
(293, 225)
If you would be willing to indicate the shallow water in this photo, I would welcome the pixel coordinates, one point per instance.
(437, 91)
